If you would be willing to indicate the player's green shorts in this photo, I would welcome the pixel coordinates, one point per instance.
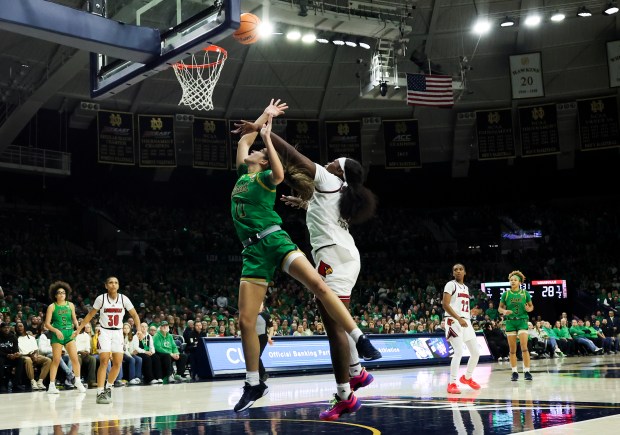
(261, 259)
(516, 325)
(67, 337)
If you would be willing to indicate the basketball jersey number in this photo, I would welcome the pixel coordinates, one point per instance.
(113, 320)
(465, 306)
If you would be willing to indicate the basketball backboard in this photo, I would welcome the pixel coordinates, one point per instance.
(185, 26)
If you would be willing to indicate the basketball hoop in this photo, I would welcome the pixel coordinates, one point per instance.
(198, 78)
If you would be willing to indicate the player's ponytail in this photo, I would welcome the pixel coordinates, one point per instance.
(357, 202)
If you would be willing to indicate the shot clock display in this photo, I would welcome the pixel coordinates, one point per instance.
(550, 296)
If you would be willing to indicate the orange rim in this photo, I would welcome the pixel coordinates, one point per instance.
(214, 48)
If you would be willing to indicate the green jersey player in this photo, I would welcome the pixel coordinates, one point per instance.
(515, 304)
(266, 247)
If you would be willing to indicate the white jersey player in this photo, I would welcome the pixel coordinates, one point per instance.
(111, 307)
(459, 330)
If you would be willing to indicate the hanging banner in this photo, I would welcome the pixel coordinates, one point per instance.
(598, 123)
(526, 76)
(613, 63)
(539, 130)
(156, 140)
(210, 144)
(234, 141)
(494, 134)
(343, 140)
(304, 135)
(115, 139)
(402, 144)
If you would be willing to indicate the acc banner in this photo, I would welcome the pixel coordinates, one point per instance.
(343, 140)
(156, 133)
(402, 144)
(598, 123)
(304, 135)
(209, 142)
(494, 134)
(539, 130)
(526, 76)
(115, 140)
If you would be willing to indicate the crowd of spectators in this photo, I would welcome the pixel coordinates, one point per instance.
(183, 270)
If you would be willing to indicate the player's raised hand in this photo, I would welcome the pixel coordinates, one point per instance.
(275, 108)
(246, 127)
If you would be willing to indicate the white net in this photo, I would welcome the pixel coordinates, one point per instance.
(199, 77)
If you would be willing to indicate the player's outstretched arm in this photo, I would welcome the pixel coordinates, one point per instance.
(274, 109)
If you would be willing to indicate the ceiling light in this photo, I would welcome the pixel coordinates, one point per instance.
(532, 20)
(322, 38)
(308, 38)
(557, 17)
(362, 43)
(584, 12)
(266, 29)
(350, 43)
(507, 22)
(610, 9)
(338, 40)
(482, 26)
(293, 35)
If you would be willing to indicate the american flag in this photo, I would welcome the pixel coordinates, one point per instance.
(431, 90)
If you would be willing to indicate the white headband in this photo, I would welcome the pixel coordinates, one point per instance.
(341, 161)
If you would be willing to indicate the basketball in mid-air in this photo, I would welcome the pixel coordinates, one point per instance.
(248, 33)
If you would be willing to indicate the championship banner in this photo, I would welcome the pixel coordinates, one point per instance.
(234, 141)
(539, 130)
(156, 139)
(343, 140)
(115, 140)
(402, 144)
(304, 135)
(613, 63)
(598, 123)
(209, 143)
(494, 134)
(526, 76)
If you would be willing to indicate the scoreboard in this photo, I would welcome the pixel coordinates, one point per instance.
(549, 296)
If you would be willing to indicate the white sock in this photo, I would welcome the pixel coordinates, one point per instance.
(514, 369)
(355, 369)
(252, 378)
(99, 390)
(108, 385)
(344, 391)
(356, 334)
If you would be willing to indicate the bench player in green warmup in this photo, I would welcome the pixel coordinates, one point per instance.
(59, 320)
(515, 304)
(266, 247)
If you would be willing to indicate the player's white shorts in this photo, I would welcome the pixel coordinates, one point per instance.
(338, 268)
(110, 340)
(454, 329)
